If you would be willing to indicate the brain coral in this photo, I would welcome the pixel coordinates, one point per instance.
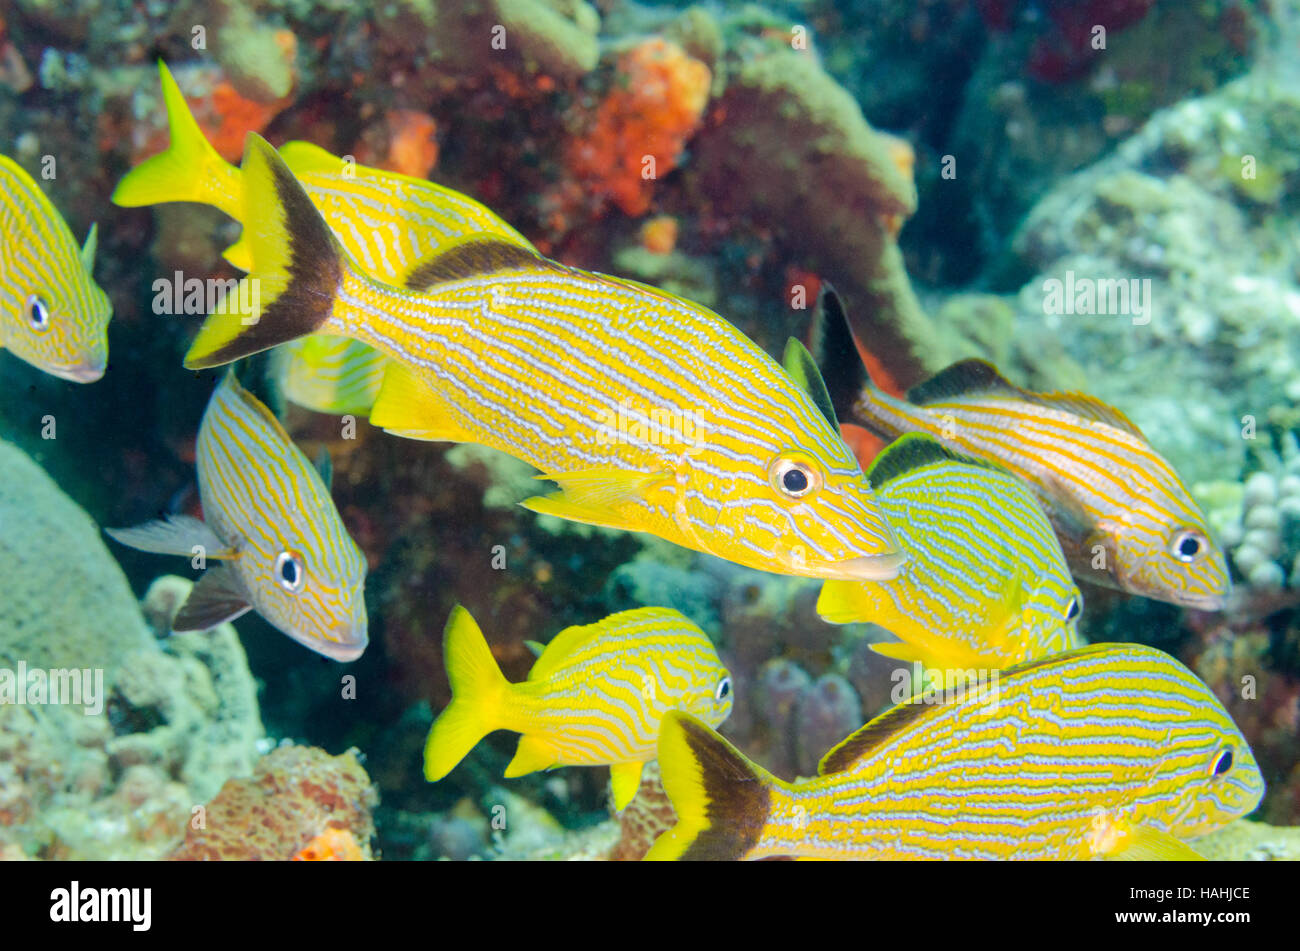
(64, 601)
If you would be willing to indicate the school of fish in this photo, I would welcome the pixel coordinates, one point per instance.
(383, 295)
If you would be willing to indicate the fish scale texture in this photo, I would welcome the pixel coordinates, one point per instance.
(64, 601)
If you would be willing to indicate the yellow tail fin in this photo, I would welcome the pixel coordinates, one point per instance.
(722, 800)
(477, 688)
(189, 170)
(297, 267)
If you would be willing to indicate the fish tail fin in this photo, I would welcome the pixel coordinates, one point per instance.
(297, 267)
(189, 169)
(722, 800)
(477, 688)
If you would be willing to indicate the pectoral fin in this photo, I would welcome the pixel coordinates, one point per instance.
(1146, 844)
(593, 496)
(217, 597)
(626, 779)
(88, 249)
(903, 651)
(531, 755)
(174, 535)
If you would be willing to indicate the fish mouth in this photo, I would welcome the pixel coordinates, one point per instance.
(883, 567)
(1202, 602)
(79, 372)
(348, 648)
(349, 640)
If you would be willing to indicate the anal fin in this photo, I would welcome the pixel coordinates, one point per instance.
(626, 779)
(531, 755)
(1146, 844)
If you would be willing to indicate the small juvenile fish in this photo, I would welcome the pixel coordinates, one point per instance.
(284, 550)
(52, 313)
(1109, 751)
(388, 223)
(1124, 518)
(986, 585)
(595, 697)
(652, 413)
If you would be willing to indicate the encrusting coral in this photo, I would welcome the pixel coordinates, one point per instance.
(791, 150)
(296, 795)
(641, 126)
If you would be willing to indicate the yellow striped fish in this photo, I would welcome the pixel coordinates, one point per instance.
(271, 521)
(387, 222)
(652, 413)
(330, 374)
(1123, 517)
(985, 586)
(595, 697)
(52, 313)
(1109, 751)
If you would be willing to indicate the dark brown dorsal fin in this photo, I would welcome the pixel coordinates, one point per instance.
(965, 378)
(474, 256)
(836, 353)
(915, 451)
(873, 734)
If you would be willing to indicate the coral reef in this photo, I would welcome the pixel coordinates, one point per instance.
(791, 151)
(65, 601)
(1053, 92)
(115, 775)
(1162, 217)
(829, 710)
(647, 816)
(638, 131)
(295, 796)
(769, 176)
(1263, 536)
(1246, 841)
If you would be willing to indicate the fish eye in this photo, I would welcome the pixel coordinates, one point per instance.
(1187, 546)
(38, 313)
(723, 690)
(793, 479)
(1223, 762)
(289, 573)
(1074, 608)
